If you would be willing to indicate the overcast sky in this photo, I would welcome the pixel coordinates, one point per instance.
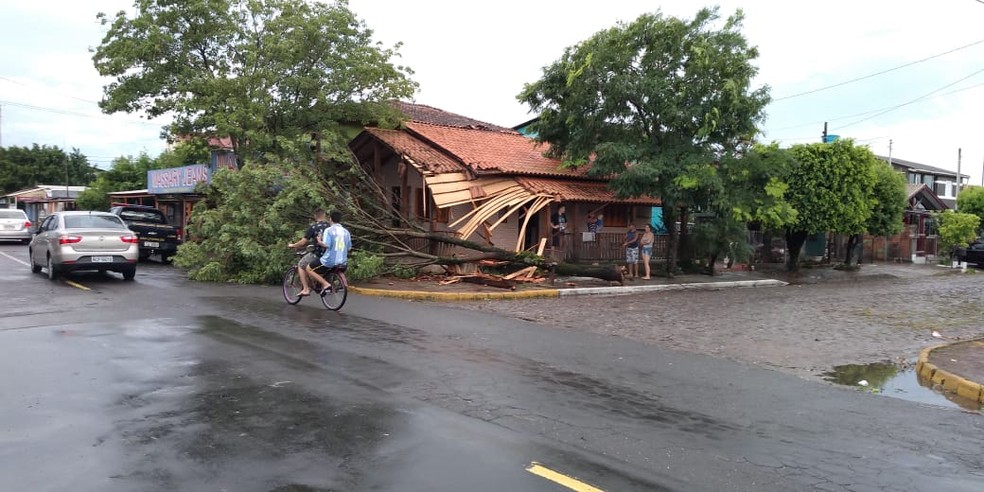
(473, 58)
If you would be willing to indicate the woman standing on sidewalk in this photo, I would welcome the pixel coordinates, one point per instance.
(648, 238)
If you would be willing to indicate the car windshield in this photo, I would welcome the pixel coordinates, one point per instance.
(93, 222)
(11, 214)
(144, 216)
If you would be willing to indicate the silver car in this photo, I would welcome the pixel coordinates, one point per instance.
(14, 225)
(69, 241)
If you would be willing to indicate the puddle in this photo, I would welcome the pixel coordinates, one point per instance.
(889, 379)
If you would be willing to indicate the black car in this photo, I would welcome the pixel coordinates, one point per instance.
(150, 225)
(973, 253)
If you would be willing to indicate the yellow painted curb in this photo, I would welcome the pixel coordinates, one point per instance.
(949, 381)
(456, 296)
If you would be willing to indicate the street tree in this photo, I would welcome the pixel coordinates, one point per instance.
(887, 207)
(830, 188)
(971, 201)
(649, 101)
(956, 229)
(260, 72)
(24, 167)
(739, 189)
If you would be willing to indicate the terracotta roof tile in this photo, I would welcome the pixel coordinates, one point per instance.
(424, 155)
(494, 152)
(579, 191)
(434, 116)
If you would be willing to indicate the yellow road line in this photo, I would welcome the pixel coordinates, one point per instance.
(571, 483)
(77, 286)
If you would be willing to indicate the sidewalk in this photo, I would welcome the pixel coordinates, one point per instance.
(957, 368)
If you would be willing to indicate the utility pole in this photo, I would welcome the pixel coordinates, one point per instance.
(956, 193)
(889, 152)
(823, 138)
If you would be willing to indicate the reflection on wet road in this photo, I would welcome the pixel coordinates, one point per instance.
(209, 404)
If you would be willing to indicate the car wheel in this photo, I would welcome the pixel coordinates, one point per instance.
(129, 273)
(52, 273)
(25, 241)
(166, 260)
(35, 268)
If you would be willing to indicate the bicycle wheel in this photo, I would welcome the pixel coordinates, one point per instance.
(292, 286)
(334, 296)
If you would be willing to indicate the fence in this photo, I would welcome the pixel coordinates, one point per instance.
(604, 246)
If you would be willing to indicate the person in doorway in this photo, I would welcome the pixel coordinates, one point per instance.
(631, 246)
(336, 242)
(311, 238)
(646, 245)
(558, 222)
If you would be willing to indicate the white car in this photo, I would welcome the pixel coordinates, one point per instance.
(70, 241)
(14, 225)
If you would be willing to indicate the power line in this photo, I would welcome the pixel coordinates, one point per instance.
(51, 91)
(918, 99)
(815, 123)
(73, 113)
(878, 73)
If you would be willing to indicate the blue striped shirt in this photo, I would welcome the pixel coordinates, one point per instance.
(338, 242)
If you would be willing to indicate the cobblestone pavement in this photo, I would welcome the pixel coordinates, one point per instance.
(801, 329)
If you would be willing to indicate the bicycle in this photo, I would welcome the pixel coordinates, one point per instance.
(333, 297)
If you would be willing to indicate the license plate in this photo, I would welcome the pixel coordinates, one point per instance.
(102, 259)
(8, 226)
(152, 244)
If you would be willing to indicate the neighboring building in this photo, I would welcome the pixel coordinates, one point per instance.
(492, 184)
(42, 200)
(940, 181)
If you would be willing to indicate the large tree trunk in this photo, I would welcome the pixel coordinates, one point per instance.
(608, 272)
(669, 221)
(852, 242)
(794, 243)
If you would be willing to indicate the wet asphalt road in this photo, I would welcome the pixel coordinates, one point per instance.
(163, 384)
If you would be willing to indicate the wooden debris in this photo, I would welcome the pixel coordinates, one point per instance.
(528, 271)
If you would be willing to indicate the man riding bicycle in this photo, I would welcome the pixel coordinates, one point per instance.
(311, 237)
(336, 242)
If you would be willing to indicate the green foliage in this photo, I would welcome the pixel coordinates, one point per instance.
(889, 194)
(956, 229)
(239, 233)
(25, 167)
(830, 187)
(722, 237)
(363, 265)
(971, 201)
(404, 271)
(653, 101)
(265, 73)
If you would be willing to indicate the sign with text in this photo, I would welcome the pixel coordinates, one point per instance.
(176, 179)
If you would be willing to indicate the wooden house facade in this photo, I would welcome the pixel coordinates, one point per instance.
(493, 185)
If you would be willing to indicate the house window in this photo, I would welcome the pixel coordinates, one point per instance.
(928, 179)
(616, 215)
(426, 209)
(396, 199)
(913, 178)
(940, 188)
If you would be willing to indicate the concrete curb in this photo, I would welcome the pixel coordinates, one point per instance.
(636, 289)
(549, 293)
(949, 381)
(455, 296)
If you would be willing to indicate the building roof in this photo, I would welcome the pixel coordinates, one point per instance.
(426, 114)
(424, 156)
(922, 167)
(925, 195)
(51, 192)
(567, 190)
(489, 152)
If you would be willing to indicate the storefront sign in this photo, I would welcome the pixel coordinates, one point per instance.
(177, 179)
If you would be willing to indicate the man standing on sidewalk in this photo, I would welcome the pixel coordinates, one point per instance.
(631, 246)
